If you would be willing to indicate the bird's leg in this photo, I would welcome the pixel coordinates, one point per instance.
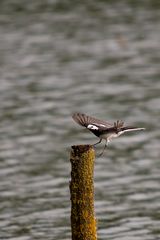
(103, 149)
(100, 140)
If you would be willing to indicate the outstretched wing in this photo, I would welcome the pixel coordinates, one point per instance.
(90, 122)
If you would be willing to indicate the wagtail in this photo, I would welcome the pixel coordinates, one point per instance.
(103, 129)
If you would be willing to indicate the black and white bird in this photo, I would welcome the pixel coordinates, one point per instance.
(103, 129)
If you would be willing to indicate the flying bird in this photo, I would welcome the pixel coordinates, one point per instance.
(103, 129)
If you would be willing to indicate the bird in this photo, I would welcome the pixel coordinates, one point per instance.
(103, 129)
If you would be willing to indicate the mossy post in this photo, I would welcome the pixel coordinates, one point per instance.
(83, 222)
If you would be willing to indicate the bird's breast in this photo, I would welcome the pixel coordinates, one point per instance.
(109, 136)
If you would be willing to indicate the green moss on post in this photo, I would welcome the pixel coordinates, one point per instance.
(83, 222)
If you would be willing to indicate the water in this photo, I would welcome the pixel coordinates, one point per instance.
(95, 57)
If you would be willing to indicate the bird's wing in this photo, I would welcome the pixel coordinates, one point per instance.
(90, 122)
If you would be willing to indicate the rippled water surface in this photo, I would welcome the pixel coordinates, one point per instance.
(100, 58)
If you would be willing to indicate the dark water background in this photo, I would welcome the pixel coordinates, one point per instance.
(97, 57)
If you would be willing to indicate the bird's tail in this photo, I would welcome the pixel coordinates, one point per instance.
(130, 129)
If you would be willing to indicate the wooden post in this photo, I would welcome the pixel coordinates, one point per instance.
(83, 222)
